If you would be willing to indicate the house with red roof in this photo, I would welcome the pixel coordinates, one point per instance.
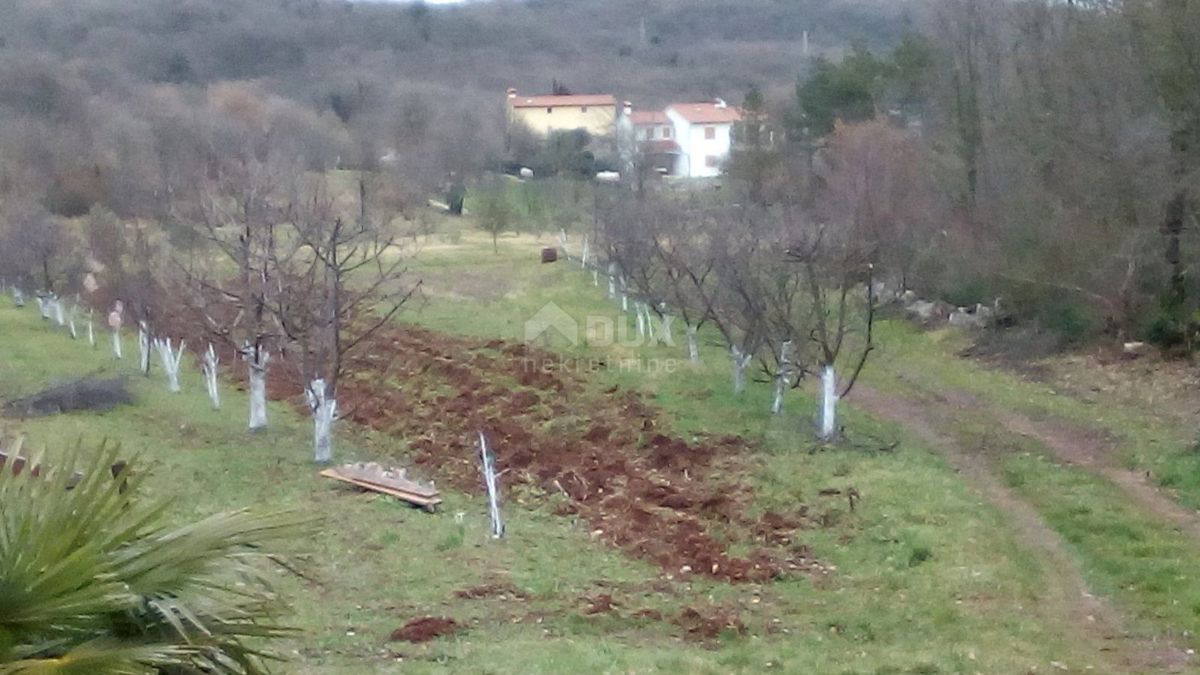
(704, 133)
(546, 114)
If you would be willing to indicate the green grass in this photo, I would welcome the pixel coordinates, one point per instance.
(1130, 555)
(910, 359)
(928, 579)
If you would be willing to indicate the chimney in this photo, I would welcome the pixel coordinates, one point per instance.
(628, 108)
(720, 103)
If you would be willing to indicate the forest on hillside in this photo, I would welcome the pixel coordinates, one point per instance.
(93, 94)
(1032, 155)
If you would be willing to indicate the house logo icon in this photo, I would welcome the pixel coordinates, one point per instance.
(551, 318)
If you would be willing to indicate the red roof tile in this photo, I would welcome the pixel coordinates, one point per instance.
(648, 117)
(707, 113)
(559, 101)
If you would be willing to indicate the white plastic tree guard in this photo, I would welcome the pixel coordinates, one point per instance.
(783, 377)
(492, 482)
(91, 330)
(324, 410)
(741, 361)
(693, 343)
(18, 297)
(171, 359)
(612, 281)
(829, 399)
(209, 366)
(143, 348)
(71, 322)
(56, 304)
(257, 359)
(114, 322)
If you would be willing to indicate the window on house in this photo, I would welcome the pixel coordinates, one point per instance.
(549, 110)
(710, 161)
(666, 132)
(583, 109)
(710, 133)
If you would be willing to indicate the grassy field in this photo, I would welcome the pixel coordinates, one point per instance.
(1126, 550)
(927, 577)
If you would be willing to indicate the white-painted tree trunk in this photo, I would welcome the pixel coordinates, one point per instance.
(71, 323)
(257, 360)
(324, 411)
(143, 348)
(596, 278)
(18, 297)
(91, 331)
(641, 319)
(117, 344)
(492, 482)
(783, 376)
(693, 343)
(170, 362)
(210, 376)
(829, 398)
(44, 307)
(612, 281)
(59, 318)
(741, 361)
(583, 257)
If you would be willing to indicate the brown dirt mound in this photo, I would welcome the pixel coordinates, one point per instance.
(655, 496)
(703, 626)
(601, 604)
(425, 629)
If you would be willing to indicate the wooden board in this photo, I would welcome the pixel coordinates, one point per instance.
(424, 500)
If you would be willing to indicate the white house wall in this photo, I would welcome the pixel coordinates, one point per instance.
(696, 148)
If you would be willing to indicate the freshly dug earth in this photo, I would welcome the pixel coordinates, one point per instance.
(602, 453)
(86, 394)
(425, 629)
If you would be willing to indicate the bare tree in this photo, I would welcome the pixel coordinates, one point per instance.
(344, 279)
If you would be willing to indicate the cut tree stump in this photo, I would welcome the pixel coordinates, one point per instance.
(393, 482)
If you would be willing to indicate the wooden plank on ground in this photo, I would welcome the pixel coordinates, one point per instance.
(425, 499)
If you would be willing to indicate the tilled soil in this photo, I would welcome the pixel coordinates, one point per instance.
(425, 629)
(604, 454)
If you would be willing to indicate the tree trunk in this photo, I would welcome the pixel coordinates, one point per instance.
(829, 398)
(782, 377)
(693, 344)
(257, 359)
(210, 377)
(741, 361)
(143, 348)
(324, 410)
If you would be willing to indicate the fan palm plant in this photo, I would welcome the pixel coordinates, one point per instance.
(93, 580)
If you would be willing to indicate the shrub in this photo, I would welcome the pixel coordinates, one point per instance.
(93, 580)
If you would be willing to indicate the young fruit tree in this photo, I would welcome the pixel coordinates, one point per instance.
(342, 281)
(230, 289)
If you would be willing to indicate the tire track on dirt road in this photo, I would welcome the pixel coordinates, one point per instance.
(1069, 603)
